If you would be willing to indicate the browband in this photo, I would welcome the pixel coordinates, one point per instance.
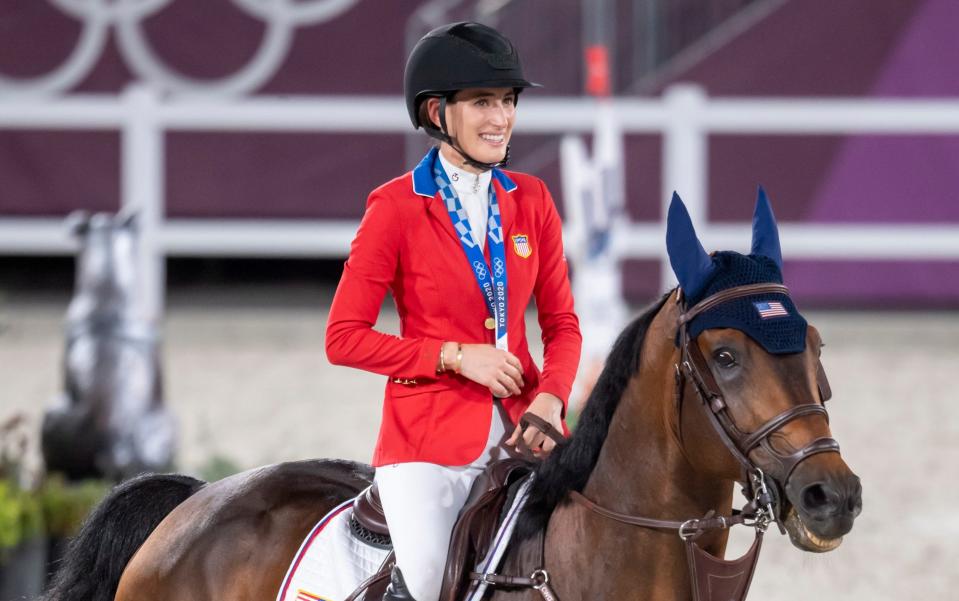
(727, 295)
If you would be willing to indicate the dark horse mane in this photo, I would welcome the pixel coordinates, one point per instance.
(570, 464)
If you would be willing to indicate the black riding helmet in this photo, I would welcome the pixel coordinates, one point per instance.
(456, 57)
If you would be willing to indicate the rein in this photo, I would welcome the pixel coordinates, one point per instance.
(691, 528)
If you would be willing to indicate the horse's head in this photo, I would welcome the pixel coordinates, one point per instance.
(106, 261)
(754, 362)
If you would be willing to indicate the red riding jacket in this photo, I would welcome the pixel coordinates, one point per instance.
(406, 244)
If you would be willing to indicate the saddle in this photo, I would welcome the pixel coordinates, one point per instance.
(471, 538)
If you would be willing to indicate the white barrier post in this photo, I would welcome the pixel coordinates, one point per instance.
(142, 172)
(685, 161)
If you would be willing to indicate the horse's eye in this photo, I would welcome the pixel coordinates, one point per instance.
(725, 358)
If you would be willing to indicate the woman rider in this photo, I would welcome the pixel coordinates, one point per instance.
(462, 246)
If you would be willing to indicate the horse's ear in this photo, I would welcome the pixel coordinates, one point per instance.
(765, 232)
(78, 222)
(690, 262)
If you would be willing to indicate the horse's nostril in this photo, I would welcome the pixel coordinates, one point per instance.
(822, 501)
(818, 498)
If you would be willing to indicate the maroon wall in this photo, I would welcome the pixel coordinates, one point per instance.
(822, 48)
(898, 48)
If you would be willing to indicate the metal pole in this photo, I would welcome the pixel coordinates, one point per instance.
(650, 22)
(599, 46)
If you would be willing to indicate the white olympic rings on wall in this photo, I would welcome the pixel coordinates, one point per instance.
(97, 16)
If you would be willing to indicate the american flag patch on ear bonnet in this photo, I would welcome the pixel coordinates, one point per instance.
(772, 320)
(770, 309)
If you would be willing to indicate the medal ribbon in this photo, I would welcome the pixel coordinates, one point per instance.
(492, 282)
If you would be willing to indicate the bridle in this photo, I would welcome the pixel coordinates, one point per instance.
(763, 492)
(693, 367)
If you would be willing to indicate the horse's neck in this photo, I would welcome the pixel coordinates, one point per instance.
(642, 470)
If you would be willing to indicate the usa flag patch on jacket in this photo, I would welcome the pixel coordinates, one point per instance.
(521, 245)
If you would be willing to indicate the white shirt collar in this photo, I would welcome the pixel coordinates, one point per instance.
(465, 182)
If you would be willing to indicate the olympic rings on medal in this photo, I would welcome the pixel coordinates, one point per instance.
(97, 16)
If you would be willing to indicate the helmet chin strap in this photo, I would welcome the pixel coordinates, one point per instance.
(442, 136)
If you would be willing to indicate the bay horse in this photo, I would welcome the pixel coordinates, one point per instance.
(647, 446)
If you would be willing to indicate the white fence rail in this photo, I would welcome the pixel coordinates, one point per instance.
(684, 116)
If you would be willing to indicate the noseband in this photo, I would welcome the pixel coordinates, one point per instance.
(694, 368)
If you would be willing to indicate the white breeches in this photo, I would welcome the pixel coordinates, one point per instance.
(421, 502)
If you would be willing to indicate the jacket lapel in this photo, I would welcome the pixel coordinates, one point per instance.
(425, 187)
(436, 207)
(507, 208)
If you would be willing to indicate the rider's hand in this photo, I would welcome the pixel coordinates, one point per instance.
(498, 370)
(550, 408)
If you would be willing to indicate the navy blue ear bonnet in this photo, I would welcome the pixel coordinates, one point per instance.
(772, 320)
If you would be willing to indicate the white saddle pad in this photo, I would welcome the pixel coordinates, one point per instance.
(331, 562)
